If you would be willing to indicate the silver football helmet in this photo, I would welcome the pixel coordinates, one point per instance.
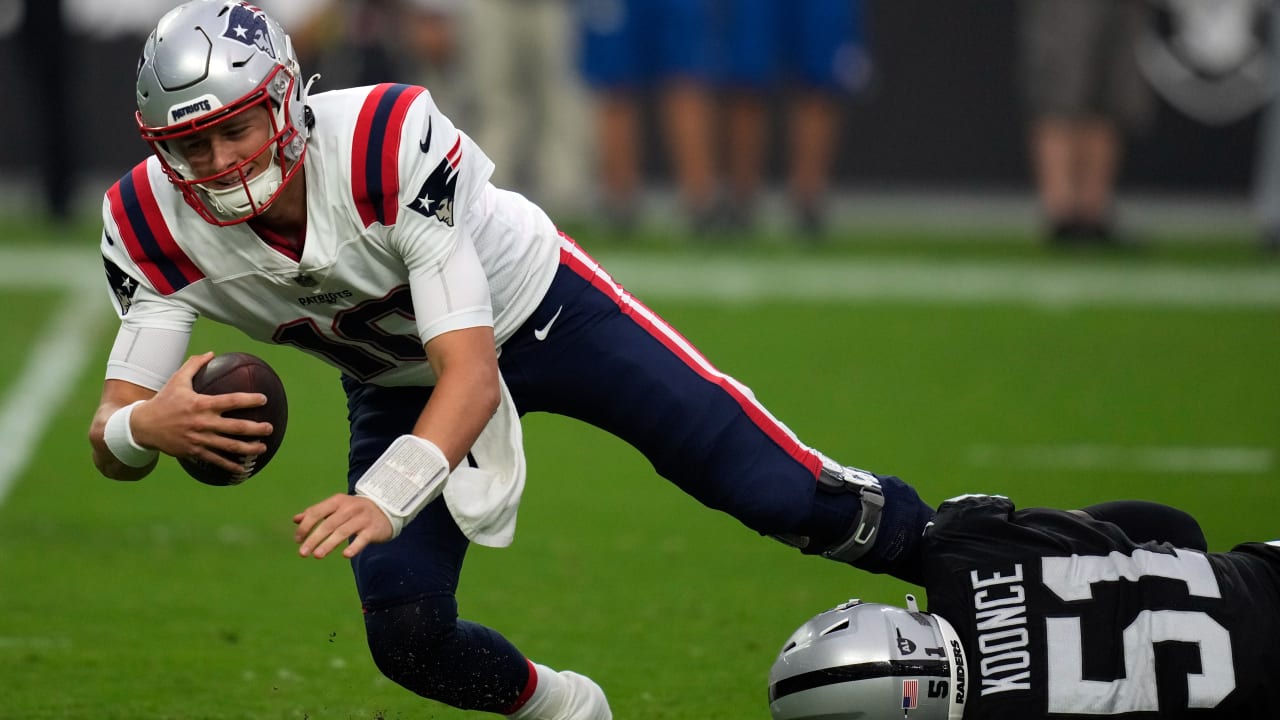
(209, 61)
(867, 661)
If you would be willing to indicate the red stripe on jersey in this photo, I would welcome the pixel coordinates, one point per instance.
(375, 152)
(146, 235)
(455, 153)
(587, 268)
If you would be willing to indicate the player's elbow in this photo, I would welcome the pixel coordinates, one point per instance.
(484, 394)
(491, 393)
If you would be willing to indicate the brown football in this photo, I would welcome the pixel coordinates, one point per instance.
(242, 372)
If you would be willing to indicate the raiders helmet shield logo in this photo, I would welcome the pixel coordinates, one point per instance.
(122, 286)
(1209, 59)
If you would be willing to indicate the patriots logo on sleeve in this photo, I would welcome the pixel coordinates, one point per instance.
(435, 197)
(122, 286)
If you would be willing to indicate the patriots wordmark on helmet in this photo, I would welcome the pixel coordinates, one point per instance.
(197, 106)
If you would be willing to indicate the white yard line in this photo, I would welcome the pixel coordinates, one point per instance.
(55, 359)
(34, 643)
(1034, 283)
(1151, 459)
(52, 268)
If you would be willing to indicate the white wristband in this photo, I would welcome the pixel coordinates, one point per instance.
(405, 479)
(119, 439)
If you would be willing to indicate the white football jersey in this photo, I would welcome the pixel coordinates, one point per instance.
(393, 191)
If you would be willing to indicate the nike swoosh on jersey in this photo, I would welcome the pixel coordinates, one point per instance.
(425, 143)
(541, 333)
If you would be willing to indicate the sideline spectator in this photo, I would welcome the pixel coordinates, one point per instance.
(529, 109)
(1084, 93)
(808, 55)
(630, 47)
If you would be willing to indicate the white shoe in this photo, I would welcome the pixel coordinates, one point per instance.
(564, 695)
(586, 700)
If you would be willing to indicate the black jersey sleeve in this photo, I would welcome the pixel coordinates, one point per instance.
(1145, 521)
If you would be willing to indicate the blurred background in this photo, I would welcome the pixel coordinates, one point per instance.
(722, 118)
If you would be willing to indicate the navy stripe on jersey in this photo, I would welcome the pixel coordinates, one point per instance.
(375, 152)
(146, 236)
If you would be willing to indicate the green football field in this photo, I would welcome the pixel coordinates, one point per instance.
(1055, 378)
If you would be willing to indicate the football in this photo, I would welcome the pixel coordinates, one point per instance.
(242, 372)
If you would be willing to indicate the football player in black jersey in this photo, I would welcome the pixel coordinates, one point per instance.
(1117, 610)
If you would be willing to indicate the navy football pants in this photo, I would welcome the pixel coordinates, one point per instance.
(609, 361)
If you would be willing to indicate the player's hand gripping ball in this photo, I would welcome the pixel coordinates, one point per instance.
(242, 372)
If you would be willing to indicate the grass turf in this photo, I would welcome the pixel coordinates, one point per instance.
(169, 599)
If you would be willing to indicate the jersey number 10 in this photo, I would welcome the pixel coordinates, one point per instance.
(360, 347)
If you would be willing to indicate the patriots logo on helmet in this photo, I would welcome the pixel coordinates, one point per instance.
(247, 24)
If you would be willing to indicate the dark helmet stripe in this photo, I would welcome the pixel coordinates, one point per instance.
(146, 234)
(375, 153)
(858, 671)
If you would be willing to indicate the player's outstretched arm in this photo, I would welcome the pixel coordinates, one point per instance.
(464, 399)
(134, 424)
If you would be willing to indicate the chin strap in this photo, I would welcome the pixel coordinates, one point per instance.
(241, 199)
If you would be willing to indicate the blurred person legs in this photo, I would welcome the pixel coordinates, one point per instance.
(630, 47)
(529, 106)
(688, 121)
(1084, 94)
(818, 49)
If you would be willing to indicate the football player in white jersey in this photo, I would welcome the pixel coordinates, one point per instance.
(359, 226)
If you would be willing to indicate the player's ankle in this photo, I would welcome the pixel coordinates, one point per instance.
(563, 696)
